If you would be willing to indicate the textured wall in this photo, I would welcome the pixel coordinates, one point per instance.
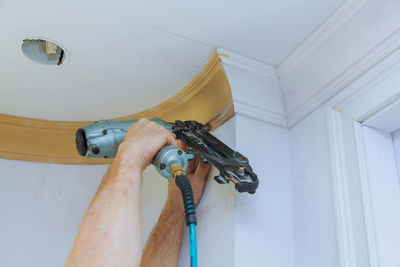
(264, 221)
(314, 218)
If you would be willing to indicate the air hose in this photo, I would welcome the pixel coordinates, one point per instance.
(183, 183)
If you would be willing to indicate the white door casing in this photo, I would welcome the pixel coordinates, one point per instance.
(396, 143)
(359, 216)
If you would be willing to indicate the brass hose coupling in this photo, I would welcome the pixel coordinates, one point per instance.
(176, 170)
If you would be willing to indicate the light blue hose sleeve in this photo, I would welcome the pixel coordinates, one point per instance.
(182, 181)
(193, 245)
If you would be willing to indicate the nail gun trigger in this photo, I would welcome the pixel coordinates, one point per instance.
(220, 179)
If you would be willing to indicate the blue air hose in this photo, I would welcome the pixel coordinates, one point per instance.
(183, 183)
(193, 245)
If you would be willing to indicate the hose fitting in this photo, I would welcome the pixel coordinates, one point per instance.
(176, 170)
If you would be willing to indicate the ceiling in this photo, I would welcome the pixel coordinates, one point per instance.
(127, 56)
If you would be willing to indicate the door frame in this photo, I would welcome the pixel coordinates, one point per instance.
(347, 112)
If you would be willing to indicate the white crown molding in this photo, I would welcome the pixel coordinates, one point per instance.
(255, 88)
(243, 62)
(258, 113)
(351, 74)
(364, 91)
(323, 32)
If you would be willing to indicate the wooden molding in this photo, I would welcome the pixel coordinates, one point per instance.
(207, 99)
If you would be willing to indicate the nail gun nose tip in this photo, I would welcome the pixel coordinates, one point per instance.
(81, 142)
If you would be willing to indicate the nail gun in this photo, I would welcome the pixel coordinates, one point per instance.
(101, 140)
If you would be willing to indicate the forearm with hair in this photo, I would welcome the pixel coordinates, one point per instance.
(110, 234)
(165, 242)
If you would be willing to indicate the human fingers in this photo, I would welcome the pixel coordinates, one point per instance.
(181, 144)
(171, 141)
(198, 180)
(190, 170)
(202, 169)
(169, 137)
(142, 142)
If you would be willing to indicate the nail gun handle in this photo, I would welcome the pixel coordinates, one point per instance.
(102, 138)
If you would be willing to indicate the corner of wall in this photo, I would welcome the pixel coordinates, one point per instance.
(255, 86)
(337, 54)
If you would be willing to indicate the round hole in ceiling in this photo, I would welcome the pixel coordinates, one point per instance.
(43, 51)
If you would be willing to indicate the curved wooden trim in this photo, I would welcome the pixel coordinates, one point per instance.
(207, 98)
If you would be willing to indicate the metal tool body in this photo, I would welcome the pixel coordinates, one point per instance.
(233, 166)
(102, 139)
(167, 157)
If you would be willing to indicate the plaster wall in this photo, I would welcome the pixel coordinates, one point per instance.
(264, 221)
(385, 193)
(313, 212)
(396, 143)
(42, 205)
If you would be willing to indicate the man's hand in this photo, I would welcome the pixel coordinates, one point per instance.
(142, 142)
(110, 233)
(165, 242)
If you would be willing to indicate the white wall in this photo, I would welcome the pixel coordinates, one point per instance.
(42, 205)
(264, 221)
(396, 143)
(385, 194)
(215, 216)
(334, 207)
(314, 220)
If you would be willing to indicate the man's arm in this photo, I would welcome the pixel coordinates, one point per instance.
(110, 233)
(165, 242)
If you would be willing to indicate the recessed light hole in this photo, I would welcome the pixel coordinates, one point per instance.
(43, 51)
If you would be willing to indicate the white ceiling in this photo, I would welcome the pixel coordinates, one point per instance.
(127, 56)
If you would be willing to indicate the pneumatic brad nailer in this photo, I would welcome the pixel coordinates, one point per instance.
(101, 140)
